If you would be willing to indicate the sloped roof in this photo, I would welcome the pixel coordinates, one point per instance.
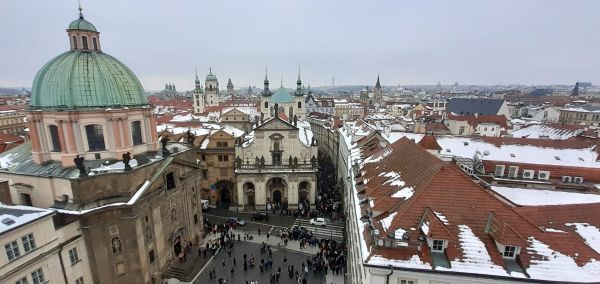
(430, 143)
(462, 209)
(476, 120)
(467, 106)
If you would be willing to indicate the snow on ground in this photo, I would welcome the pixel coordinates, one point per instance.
(387, 221)
(538, 197)
(475, 256)
(591, 234)
(413, 262)
(556, 266)
(441, 217)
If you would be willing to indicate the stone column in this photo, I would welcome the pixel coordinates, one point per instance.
(34, 135)
(70, 139)
(126, 133)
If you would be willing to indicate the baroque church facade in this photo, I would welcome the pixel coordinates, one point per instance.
(276, 168)
(372, 98)
(94, 157)
(289, 104)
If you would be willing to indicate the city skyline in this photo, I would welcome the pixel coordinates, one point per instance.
(470, 42)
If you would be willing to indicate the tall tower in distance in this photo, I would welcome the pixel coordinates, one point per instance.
(199, 98)
(211, 89)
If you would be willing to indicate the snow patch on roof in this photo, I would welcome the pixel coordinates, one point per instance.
(553, 265)
(591, 234)
(387, 221)
(405, 193)
(377, 158)
(441, 217)
(413, 262)
(538, 197)
(475, 256)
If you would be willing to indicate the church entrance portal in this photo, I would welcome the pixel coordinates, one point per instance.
(277, 196)
(225, 193)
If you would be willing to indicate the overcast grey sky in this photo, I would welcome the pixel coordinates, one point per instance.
(417, 42)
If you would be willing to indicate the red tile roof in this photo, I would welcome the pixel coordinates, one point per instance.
(430, 143)
(446, 190)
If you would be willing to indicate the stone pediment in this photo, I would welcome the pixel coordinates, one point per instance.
(276, 124)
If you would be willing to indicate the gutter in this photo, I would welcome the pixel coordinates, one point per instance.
(387, 277)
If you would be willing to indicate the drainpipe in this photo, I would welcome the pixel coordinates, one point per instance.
(62, 265)
(387, 277)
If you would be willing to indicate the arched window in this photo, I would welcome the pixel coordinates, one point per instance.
(299, 104)
(136, 133)
(74, 42)
(53, 129)
(84, 42)
(95, 137)
(266, 104)
(95, 41)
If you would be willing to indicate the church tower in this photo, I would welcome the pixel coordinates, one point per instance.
(199, 99)
(230, 88)
(102, 119)
(378, 94)
(211, 88)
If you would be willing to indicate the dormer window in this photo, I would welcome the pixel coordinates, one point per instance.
(510, 252)
(438, 245)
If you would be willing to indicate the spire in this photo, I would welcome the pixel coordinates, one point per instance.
(281, 80)
(377, 85)
(209, 70)
(80, 10)
(266, 91)
(197, 75)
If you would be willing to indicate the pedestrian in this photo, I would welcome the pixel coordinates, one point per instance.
(259, 231)
(284, 259)
(234, 264)
(223, 264)
(305, 271)
(232, 270)
(239, 238)
(267, 236)
(245, 266)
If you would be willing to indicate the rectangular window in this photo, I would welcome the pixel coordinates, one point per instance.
(136, 133)
(438, 246)
(461, 130)
(170, 180)
(26, 199)
(509, 251)
(276, 158)
(53, 129)
(404, 281)
(221, 144)
(151, 256)
(12, 250)
(225, 158)
(205, 174)
(220, 158)
(73, 255)
(95, 137)
(203, 157)
(28, 243)
(22, 281)
(95, 42)
(37, 276)
(79, 280)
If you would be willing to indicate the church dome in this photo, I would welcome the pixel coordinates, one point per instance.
(82, 24)
(211, 76)
(282, 95)
(81, 79)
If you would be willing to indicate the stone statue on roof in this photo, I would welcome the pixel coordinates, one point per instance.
(164, 142)
(126, 159)
(83, 172)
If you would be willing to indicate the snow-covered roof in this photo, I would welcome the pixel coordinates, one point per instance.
(538, 197)
(468, 147)
(538, 130)
(13, 216)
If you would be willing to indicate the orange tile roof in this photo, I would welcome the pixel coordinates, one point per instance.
(446, 190)
(430, 143)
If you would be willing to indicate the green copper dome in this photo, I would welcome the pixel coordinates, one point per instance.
(83, 79)
(82, 24)
(282, 95)
(211, 76)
